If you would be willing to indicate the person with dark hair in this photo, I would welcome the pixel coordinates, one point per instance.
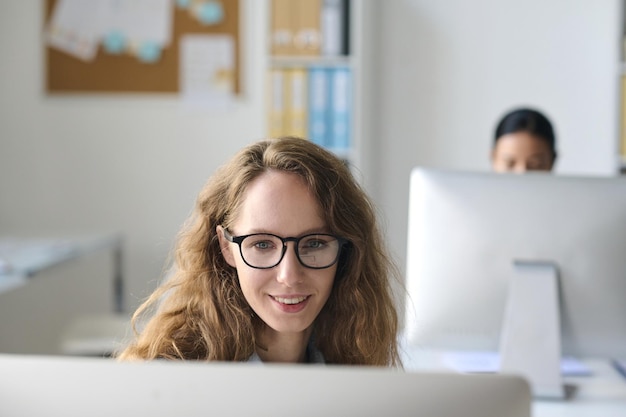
(524, 141)
(282, 260)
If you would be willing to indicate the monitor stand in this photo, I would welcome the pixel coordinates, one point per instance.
(530, 341)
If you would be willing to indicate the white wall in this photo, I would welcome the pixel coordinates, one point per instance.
(449, 69)
(446, 70)
(134, 164)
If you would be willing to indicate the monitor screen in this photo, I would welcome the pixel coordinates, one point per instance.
(466, 232)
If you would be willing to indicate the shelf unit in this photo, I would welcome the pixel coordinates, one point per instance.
(356, 153)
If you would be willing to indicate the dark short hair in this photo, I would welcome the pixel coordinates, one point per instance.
(527, 120)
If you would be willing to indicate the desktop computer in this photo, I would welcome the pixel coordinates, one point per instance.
(532, 266)
(33, 385)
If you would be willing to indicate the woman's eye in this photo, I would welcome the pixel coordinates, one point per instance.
(263, 245)
(314, 244)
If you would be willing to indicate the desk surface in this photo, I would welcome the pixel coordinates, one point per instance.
(601, 394)
(48, 283)
(22, 257)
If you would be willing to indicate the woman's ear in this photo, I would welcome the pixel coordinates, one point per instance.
(226, 247)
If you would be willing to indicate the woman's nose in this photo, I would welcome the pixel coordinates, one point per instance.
(289, 270)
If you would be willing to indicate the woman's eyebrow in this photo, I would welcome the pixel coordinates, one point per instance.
(310, 231)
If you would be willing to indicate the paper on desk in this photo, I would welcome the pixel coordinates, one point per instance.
(486, 362)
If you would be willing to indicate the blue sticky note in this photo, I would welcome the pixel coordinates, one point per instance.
(211, 13)
(149, 52)
(114, 42)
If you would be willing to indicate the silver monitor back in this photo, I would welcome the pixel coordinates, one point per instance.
(466, 229)
(73, 387)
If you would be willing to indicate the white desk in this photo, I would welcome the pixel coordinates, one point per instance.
(45, 283)
(602, 394)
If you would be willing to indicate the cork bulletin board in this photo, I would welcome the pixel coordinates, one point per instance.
(109, 73)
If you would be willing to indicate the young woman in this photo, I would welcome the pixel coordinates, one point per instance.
(524, 141)
(282, 260)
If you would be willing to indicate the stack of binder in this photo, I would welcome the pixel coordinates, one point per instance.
(314, 103)
(311, 97)
(309, 27)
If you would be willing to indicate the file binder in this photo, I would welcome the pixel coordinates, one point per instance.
(307, 38)
(341, 108)
(282, 27)
(275, 103)
(296, 102)
(334, 27)
(311, 98)
(319, 107)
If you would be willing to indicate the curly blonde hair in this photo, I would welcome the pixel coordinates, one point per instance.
(201, 313)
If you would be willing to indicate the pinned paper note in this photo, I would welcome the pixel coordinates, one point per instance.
(75, 29)
(207, 68)
(142, 28)
(138, 27)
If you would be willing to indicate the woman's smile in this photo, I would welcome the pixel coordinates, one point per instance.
(291, 303)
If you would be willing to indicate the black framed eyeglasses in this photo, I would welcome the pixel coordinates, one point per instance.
(266, 250)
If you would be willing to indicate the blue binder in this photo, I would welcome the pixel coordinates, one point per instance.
(319, 108)
(340, 108)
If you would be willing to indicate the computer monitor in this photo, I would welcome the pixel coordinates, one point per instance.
(74, 386)
(536, 261)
